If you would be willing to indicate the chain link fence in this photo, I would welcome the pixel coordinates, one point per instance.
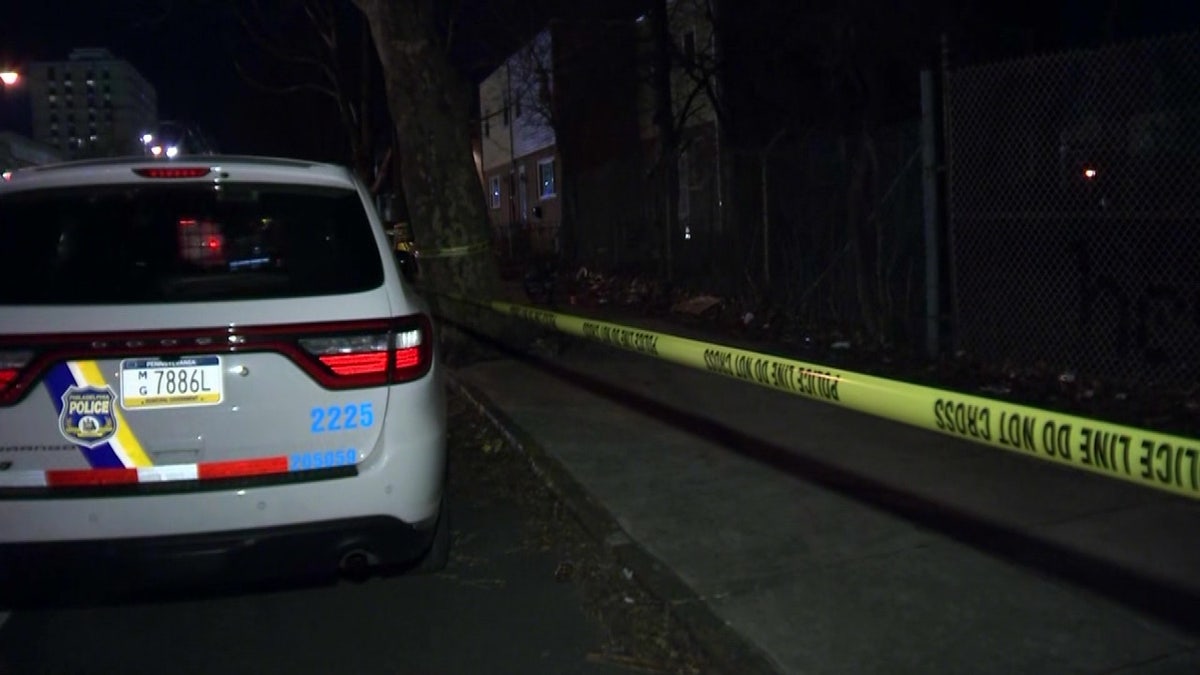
(1074, 210)
(823, 226)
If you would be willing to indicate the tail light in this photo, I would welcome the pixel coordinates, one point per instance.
(174, 172)
(341, 355)
(398, 355)
(11, 363)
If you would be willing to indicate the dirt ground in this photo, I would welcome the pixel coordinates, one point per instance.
(641, 634)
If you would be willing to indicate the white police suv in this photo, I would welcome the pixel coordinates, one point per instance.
(215, 361)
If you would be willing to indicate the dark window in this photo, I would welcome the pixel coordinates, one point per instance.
(184, 243)
(689, 46)
(50, 73)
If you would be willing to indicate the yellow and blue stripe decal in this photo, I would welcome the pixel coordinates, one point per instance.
(83, 382)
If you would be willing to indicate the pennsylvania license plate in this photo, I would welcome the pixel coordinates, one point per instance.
(170, 383)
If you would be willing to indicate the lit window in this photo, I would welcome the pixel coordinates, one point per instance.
(495, 185)
(546, 178)
(53, 98)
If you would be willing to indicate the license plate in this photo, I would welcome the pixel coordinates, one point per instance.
(163, 383)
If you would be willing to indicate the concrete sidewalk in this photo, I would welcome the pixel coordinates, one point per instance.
(827, 541)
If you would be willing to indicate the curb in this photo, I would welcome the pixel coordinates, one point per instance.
(730, 651)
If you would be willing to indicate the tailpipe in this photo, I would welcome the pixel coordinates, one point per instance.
(356, 563)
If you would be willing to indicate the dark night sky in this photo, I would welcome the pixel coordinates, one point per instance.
(185, 48)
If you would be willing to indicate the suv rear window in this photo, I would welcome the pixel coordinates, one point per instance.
(130, 244)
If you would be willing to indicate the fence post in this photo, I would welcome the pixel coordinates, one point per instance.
(930, 198)
(766, 208)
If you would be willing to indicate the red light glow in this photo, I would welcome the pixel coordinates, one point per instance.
(363, 363)
(407, 358)
(174, 172)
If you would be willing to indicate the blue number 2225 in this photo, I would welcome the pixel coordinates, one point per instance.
(341, 418)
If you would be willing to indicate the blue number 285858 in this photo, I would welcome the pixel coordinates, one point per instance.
(341, 418)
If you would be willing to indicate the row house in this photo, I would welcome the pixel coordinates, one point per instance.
(518, 149)
(568, 137)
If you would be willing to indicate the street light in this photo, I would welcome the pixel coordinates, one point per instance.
(9, 77)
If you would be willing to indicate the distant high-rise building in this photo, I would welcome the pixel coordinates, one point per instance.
(91, 105)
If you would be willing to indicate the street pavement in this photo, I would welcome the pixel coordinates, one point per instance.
(498, 608)
(799, 537)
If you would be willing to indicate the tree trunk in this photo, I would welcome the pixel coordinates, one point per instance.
(668, 139)
(430, 107)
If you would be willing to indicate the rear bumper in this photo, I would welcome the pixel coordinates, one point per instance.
(402, 479)
(32, 572)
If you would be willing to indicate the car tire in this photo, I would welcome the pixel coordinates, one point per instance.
(438, 555)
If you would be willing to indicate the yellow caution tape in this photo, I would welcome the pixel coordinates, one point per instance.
(454, 251)
(1158, 460)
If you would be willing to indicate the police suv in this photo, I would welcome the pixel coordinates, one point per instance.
(214, 361)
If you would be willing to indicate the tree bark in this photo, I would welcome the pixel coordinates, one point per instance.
(429, 103)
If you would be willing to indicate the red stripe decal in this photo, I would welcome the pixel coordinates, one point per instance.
(243, 467)
(91, 477)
